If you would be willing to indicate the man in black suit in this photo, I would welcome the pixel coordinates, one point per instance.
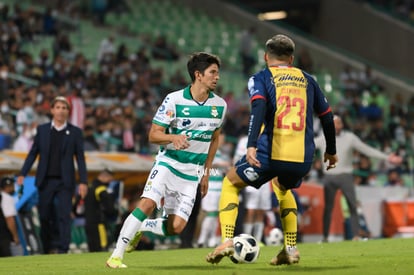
(56, 143)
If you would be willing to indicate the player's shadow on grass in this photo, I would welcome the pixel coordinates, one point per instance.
(309, 269)
(268, 268)
(192, 267)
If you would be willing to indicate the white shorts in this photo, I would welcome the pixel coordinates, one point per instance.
(258, 198)
(178, 193)
(210, 202)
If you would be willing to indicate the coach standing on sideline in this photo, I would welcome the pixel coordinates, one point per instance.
(342, 178)
(56, 143)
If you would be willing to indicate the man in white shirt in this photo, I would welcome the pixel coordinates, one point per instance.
(342, 176)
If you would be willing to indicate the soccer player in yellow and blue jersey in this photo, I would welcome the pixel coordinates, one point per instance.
(280, 144)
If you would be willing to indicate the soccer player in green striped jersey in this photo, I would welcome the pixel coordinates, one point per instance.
(187, 128)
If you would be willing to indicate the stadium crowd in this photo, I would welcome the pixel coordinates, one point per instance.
(114, 103)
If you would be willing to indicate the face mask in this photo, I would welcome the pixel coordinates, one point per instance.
(4, 108)
(3, 74)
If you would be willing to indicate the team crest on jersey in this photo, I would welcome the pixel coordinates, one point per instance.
(148, 186)
(250, 174)
(214, 111)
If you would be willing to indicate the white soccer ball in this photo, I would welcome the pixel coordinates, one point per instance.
(246, 249)
(275, 237)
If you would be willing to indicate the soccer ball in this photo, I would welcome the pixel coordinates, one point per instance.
(246, 249)
(275, 237)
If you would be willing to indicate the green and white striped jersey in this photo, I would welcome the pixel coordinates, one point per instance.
(181, 114)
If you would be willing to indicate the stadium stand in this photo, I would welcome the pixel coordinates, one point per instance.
(131, 88)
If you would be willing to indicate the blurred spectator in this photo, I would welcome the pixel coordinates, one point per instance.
(9, 238)
(128, 142)
(305, 61)
(49, 22)
(371, 112)
(246, 51)
(106, 47)
(6, 127)
(41, 114)
(24, 140)
(99, 211)
(4, 12)
(349, 80)
(378, 136)
(363, 171)
(178, 79)
(90, 143)
(394, 178)
(24, 115)
(99, 9)
(62, 46)
(161, 49)
(367, 79)
(45, 64)
(77, 110)
(122, 54)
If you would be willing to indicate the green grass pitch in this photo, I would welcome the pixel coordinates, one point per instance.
(383, 256)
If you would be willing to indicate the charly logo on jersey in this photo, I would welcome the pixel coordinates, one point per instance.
(186, 122)
(185, 111)
(250, 174)
(214, 111)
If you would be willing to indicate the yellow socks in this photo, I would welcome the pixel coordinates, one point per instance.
(228, 207)
(288, 214)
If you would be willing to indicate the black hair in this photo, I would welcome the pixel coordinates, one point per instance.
(200, 62)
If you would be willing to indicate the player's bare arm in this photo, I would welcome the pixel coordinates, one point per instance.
(157, 135)
(209, 162)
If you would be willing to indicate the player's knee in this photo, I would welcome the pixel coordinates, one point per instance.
(176, 226)
(234, 179)
(146, 205)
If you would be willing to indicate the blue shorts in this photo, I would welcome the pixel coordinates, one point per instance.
(289, 174)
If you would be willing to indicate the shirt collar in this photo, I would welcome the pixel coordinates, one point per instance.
(61, 127)
(187, 93)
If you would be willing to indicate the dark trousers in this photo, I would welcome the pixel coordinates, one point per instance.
(97, 237)
(345, 183)
(5, 248)
(55, 206)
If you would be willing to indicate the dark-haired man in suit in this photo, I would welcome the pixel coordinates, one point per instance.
(57, 143)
